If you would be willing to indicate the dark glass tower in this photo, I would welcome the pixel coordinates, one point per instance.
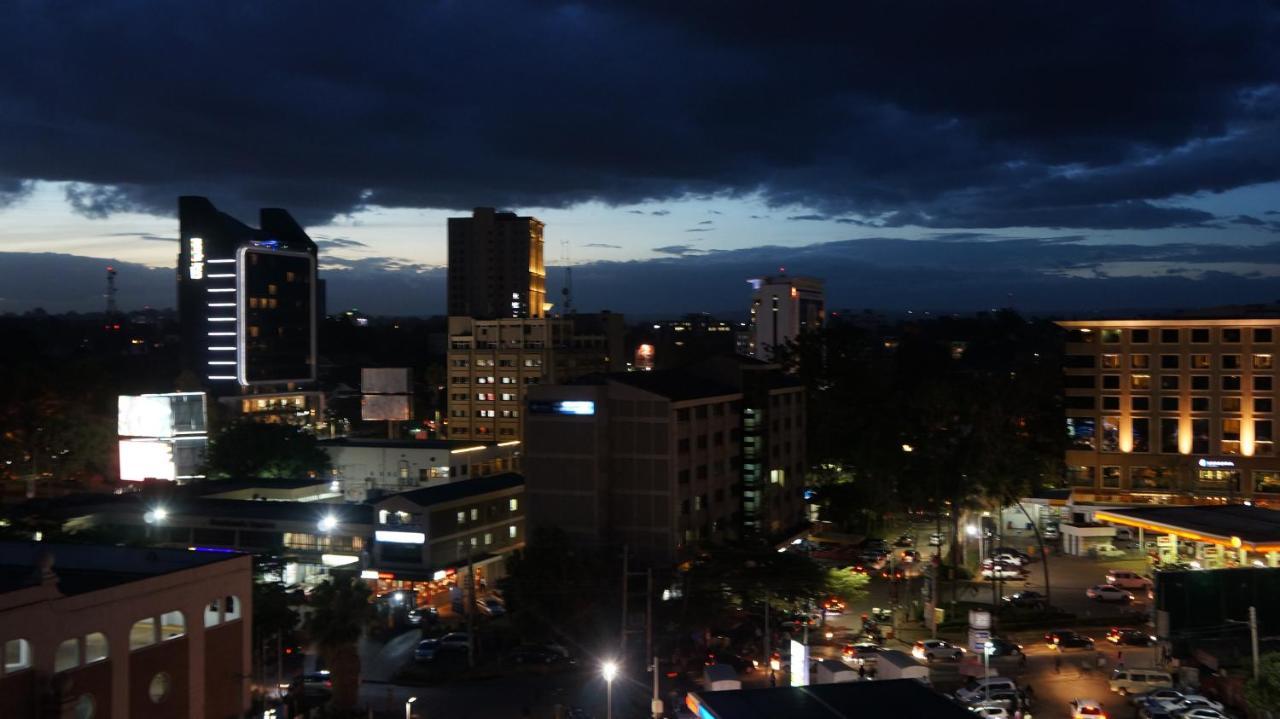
(247, 300)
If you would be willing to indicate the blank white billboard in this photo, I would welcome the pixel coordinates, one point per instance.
(146, 459)
(385, 380)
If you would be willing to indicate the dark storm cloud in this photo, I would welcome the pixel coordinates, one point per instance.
(810, 218)
(327, 243)
(1247, 220)
(678, 250)
(14, 190)
(603, 245)
(947, 115)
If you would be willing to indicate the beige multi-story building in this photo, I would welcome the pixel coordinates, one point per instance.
(1172, 410)
(496, 266)
(492, 362)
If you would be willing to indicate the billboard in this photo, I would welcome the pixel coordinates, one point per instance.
(161, 458)
(385, 380)
(160, 415)
(384, 407)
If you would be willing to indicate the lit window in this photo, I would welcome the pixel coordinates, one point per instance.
(462, 517)
(17, 655)
(67, 656)
(488, 538)
(142, 634)
(513, 504)
(172, 625)
(511, 531)
(95, 647)
(475, 514)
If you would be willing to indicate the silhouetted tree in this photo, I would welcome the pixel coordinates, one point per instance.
(246, 450)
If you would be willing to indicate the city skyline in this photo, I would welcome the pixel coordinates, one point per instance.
(686, 144)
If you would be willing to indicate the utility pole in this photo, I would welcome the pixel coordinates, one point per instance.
(622, 652)
(1253, 638)
(656, 704)
(768, 636)
(648, 619)
(469, 597)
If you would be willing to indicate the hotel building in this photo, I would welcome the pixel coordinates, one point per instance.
(781, 308)
(1177, 411)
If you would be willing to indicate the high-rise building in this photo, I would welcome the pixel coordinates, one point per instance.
(496, 267)
(781, 308)
(668, 460)
(491, 363)
(1175, 410)
(247, 299)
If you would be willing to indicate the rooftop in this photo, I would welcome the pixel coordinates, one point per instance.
(462, 489)
(1257, 529)
(884, 699)
(675, 385)
(441, 444)
(84, 568)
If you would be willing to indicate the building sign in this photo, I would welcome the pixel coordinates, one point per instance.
(195, 265)
(1212, 463)
(393, 537)
(799, 664)
(566, 407)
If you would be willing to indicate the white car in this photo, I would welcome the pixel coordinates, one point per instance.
(1159, 696)
(980, 689)
(1002, 571)
(1108, 593)
(1086, 709)
(990, 712)
(1109, 551)
(1197, 701)
(1126, 579)
(1200, 713)
(1006, 558)
(933, 649)
(936, 539)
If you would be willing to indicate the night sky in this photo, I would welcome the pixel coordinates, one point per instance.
(929, 156)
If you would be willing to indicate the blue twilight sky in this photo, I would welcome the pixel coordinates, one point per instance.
(1056, 157)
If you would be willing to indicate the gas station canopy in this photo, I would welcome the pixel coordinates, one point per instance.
(1238, 526)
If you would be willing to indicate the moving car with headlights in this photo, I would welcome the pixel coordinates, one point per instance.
(1137, 681)
(1067, 639)
(1086, 709)
(930, 650)
(1130, 637)
(1001, 647)
(1108, 593)
(1126, 579)
(992, 570)
(860, 652)
(1026, 599)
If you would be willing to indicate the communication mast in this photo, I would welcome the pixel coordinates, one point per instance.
(111, 291)
(567, 289)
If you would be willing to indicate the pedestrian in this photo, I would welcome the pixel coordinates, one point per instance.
(1022, 659)
(862, 671)
(1120, 659)
(1031, 695)
(1057, 664)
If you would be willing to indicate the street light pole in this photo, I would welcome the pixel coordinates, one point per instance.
(610, 670)
(1253, 638)
(408, 707)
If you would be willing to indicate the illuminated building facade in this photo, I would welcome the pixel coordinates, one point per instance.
(247, 299)
(1172, 410)
(781, 308)
(496, 266)
(491, 364)
(162, 436)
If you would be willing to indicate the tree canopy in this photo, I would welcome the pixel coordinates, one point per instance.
(1263, 693)
(250, 450)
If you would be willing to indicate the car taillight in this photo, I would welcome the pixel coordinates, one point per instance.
(328, 683)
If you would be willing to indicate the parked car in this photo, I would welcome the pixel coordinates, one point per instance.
(1199, 713)
(1050, 531)
(934, 649)
(1025, 599)
(1108, 551)
(937, 539)
(1131, 637)
(1157, 696)
(1108, 593)
(1008, 558)
(1191, 701)
(992, 712)
(429, 615)
(977, 689)
(905, 540)
(910, 556)
(426, 650)
(1026, 558)
(1067, 639)
(457, 639)
(1126, 579)
(490, 607)
(1086, 709)
(859, 652)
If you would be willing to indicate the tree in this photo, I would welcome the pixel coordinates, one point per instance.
(1263, 693)
(845, 585)
(553, 585)
(342, 610)
(251, 450)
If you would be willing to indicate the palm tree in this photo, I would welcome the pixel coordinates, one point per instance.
(342, 610)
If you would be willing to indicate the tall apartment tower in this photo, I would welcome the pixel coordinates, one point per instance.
(781, 308)
(246, 299)
(496, 267)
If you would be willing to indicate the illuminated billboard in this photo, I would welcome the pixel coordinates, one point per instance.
(161, 415)
(572, 407)
(375, 407)
(385, 380)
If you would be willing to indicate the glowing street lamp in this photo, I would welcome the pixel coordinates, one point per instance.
(408, 707)
(609, 671)
(328, 523)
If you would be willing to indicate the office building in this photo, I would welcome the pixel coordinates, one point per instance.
(1172, 411)
(496, 267)
(108, 631)
(247, 300)
(781, 308)
(665, 344)
(425, 539)
(491, 363)
(664, 461)
(162, 436)
(368, 468)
